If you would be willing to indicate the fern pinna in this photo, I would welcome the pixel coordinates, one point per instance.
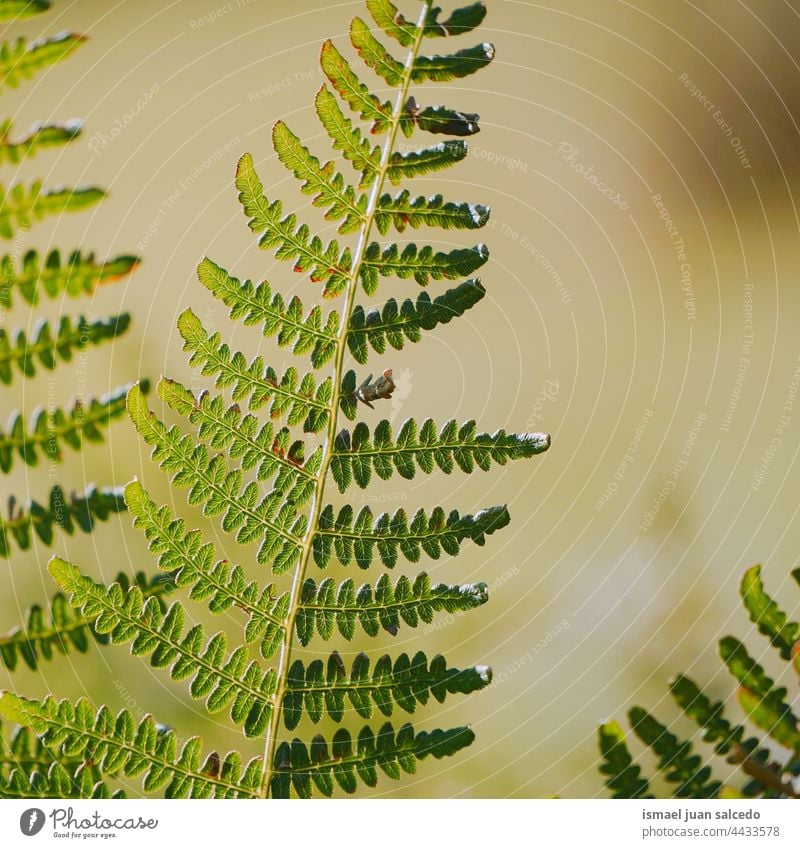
(28, 279)
(768, 774)
(250, 466)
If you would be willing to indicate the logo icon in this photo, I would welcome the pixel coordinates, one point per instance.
(31, 821)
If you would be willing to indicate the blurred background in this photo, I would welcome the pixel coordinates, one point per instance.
(640, 159)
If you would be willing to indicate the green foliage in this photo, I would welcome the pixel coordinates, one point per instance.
(267, 447)
(764, 704)
(46, 636)
(45, 344)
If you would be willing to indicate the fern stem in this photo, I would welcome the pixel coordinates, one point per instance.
(328, 448)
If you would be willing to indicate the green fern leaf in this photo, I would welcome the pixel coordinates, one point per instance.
(356, 456)
(346, 138)
(79, 275)
(460, 21)
(325, 609)
(374, 54)
(765, 704)
(422, 264)
(342, 77)
(624, 777)
(426, 160)
(290, 241)
(39, 137)
(767, 615)
(46, 348)
(357, 537)
(328, 187)
(22, 206)
(388, 18)
(455, 66)
(120, 746)
(403, 211)
(274, 455)
(394, 325)
(43, 639)
(191, 563)
(299, 400)
(15, 10)
(38, 521)
(323, 689)
(256, 304)
(50, 430)
(270, 520)
(300, 768)
(676, 761)
(224, 681)
(20, 61)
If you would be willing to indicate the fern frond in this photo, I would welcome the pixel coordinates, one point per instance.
(624, 776)
(326, 608)
(31, 769)
(323, 181)
(256, 304)
(426, 160)
(387, 16)
(328, 264)
(319, 689)
(353, 537)
(764, 703)
(38, 137)
(770, 619)
(346, 138)
(47, 636)
(21, 60)
(460, 20)
(403, 211)
(299, 400)
(78, 275)
(423, 264)
(117, 745)
(274, 455)
(21, 206)
(394, 325)
(46, 348)
(676, 761)
(77, 512)
(191, 563)
(300, 767)
(271, 520)
(50, 430)
(11, 10)
(356, 455)
(223, 680)
(456, 65)
(374, 54)
(357, 96)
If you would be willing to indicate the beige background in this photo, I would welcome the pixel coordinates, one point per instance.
(589, 612)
